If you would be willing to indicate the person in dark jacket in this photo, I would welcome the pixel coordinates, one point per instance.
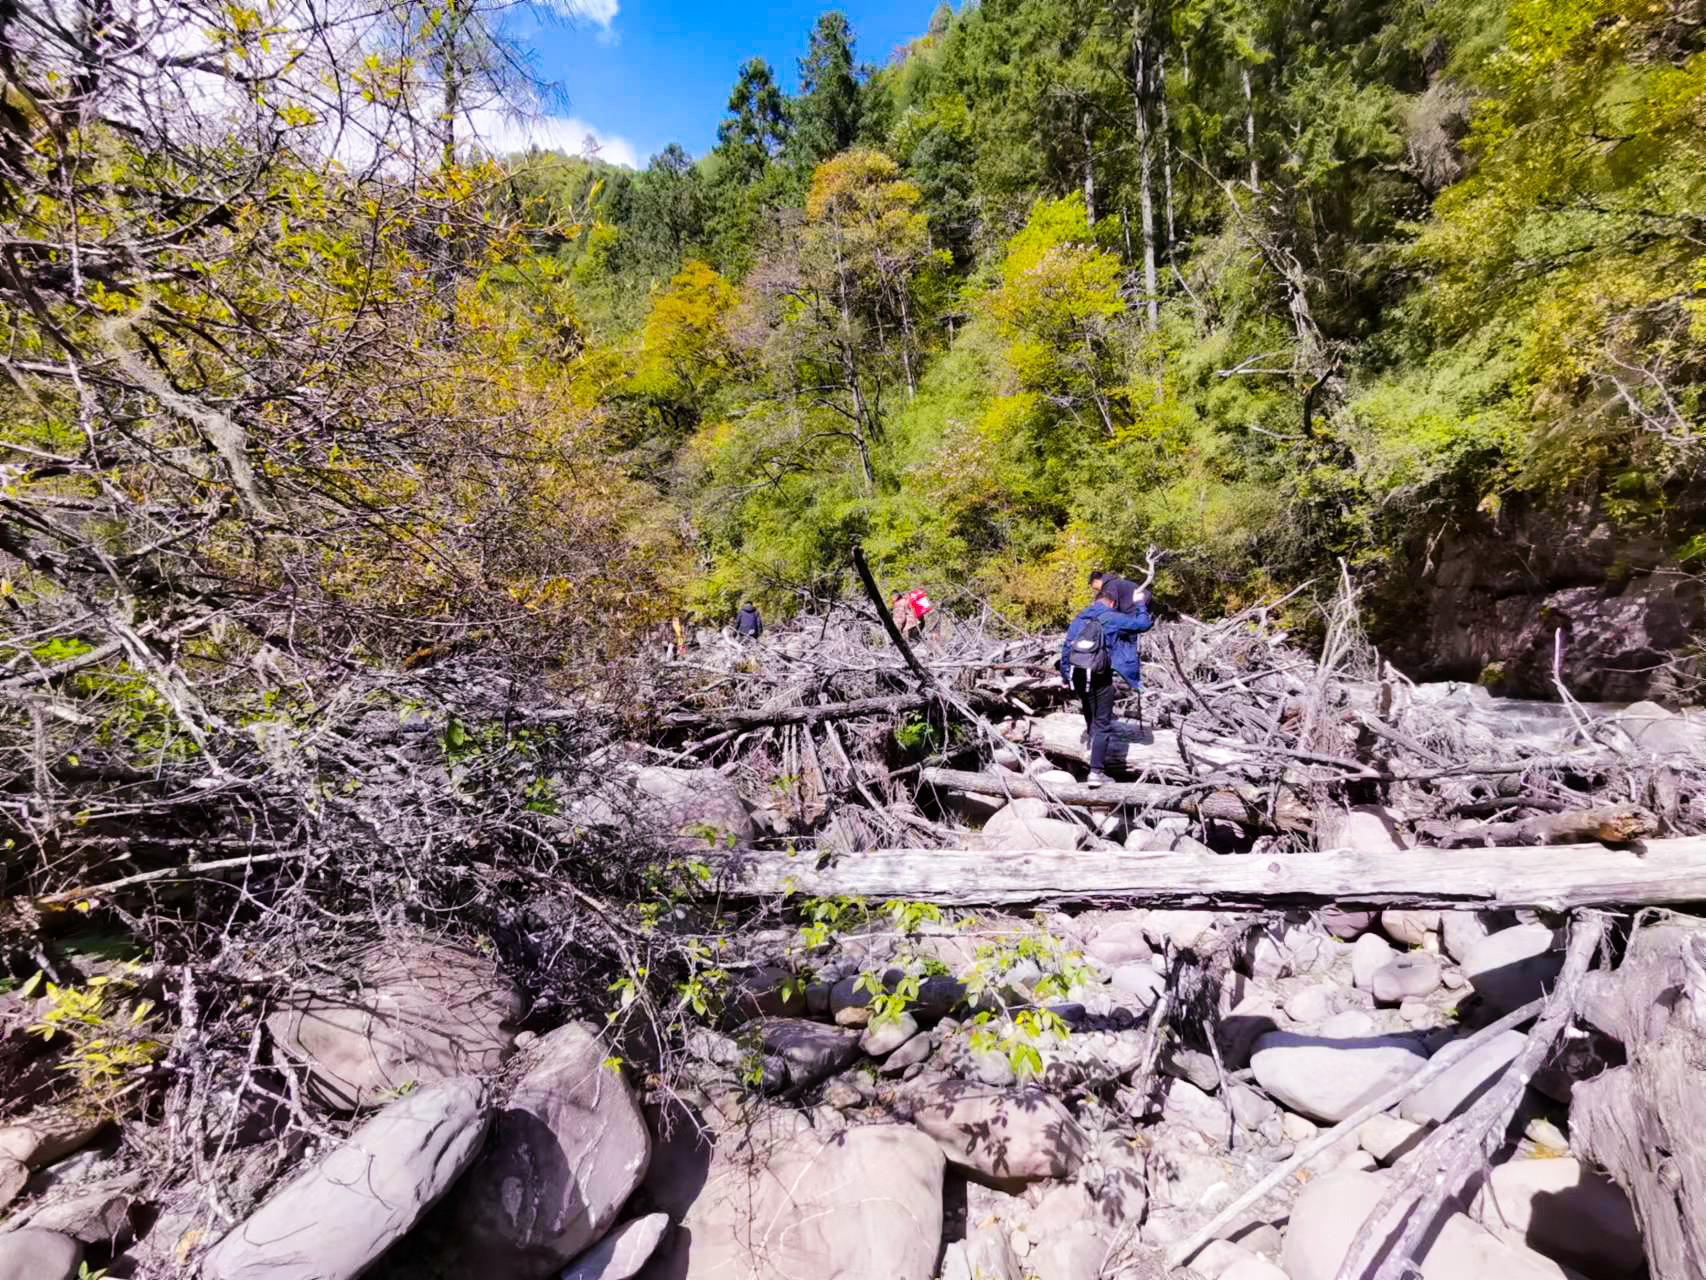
(748, 623)
(1095, 689)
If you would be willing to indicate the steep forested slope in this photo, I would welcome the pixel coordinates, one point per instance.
(1269, 284)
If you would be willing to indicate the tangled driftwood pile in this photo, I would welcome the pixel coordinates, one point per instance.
(1240, 743)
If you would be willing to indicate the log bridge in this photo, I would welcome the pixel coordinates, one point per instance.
(1556, 877)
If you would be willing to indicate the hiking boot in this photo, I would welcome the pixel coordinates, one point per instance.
(1096, 778)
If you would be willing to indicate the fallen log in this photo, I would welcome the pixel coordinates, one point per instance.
(1245, 805)
(1556, 878)
(1612, 824)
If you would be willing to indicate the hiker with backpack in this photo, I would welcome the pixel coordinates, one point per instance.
(1101, 642)
(748, 624)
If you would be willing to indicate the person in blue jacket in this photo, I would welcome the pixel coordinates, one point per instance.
(1101, 641)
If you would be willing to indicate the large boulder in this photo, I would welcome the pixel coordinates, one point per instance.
(1327, 1216)
(1653, 729)
(1513, 966)
(565, 1152)
(699, 806)
(416, 1012)
(1561, 1208)
(1470, 1074)
(787, 1203)
(1032, 833)
(333, 1219)
(32, 1254)
(691, 808)
(48, 1134)
(1327, 1078)
(1005, 1135)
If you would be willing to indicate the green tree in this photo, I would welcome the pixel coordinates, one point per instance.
(826, 113)
(756, 129)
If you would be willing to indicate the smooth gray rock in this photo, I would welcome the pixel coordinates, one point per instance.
(1409, 928)
(699, 807)
(1345, 925)
(1470, 1075)
(1140, 982)
(1386, 1137)
(421, 1011)
(333, 1219)
(1250, 1109)
(48, 1134)
(1329, 1213)
(887, 1036)
(566, 1150)
(1327, 1079)
(1652, 728)
(812, 1051)
(1561, 1208)
(1369, 955)
(985, 1254)
(1412, 974)
(33, 1254)
(1077, 1254)
(621, 1254)
(1513, 966)
(1367, 828)
(1461, 930)
(1032, 833)
(1010, 1135)
(915, 1050)
(1188, 1105)
(1193, 1065)
(786, 1203)
(1117, 938)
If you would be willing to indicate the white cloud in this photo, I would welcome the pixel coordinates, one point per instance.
(502, 132)
(602, 12)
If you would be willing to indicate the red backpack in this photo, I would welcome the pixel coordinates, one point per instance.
(919, 603)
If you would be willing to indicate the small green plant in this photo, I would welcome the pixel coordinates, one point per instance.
(111, 1036)
(1019, 1038)
(913, 733)
(825, 917)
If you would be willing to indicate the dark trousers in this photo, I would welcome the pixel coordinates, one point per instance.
(1096, 700)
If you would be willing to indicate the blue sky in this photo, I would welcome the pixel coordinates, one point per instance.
(642, 73)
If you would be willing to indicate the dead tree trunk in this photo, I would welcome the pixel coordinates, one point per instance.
(1089, 168)
(1642, 1121)
(1556, 878)
(1145, 164)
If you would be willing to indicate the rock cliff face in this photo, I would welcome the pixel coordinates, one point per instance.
(1482, 601)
